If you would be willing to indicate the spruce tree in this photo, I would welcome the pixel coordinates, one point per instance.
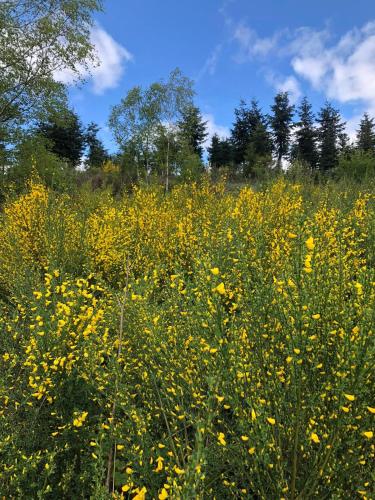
(281, 121)
(366, 134)
(305, 148)
(249, 136)
(193, 129)
(220, 153)
(259, 135)
(65, 136)
(96, 154)
(330, 131)
(240, 133)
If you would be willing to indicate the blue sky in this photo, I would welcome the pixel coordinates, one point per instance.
(234, 49)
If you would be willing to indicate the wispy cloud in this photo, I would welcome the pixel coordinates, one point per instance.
(251, 45)
(288, 84)
(209, 66)
(342, 69)
(112, 59)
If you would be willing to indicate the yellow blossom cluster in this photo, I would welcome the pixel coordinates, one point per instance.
(204, 344)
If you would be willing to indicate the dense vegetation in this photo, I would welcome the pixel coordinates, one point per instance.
(177, 320)
(204, 344)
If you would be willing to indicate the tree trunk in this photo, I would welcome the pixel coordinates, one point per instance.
(167, 168)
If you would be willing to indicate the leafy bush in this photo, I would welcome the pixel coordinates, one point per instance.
(359, 166)
(203, 344)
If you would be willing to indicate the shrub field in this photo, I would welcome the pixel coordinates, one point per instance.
(205, 344)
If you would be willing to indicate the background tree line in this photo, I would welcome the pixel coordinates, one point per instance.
(160, 132)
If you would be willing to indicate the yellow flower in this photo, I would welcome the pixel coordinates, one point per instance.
(245, 438)
(163, 494)
(371, 410)
(125, 488)
(314, 437)
(141, 495)
(178, 470)
(310, 245)
(368, 434)
(292, 235)
(221, 439)
(215, 271)
(120, 446)
(271, 420)
(349, 397)
(251, 451)
(159, 462)
(316, 316)
(78, 421)
(220, 289)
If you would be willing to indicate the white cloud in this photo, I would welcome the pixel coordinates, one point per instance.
(112, 58)
(344, 71)
(209, 66)
(214, 128)
(251, 45)
(288, 84)
(352, 125)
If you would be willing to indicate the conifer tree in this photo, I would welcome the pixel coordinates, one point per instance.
(65, 135)
(306, 147)
(96, 154)
(330, 130)
(220, 153)
(259, 135)
(366, 134)
(250, 136)
(240, 133)
(281, 121)
(193, 129)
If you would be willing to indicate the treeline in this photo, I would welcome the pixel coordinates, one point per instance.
(160, 133)
(161, 137)
(294, 138)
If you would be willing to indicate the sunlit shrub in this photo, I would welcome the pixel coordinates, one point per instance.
(203, 344)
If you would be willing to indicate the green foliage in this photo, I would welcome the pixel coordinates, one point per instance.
(147, 118)
(366, 134)
(280, 122)
(56, 34)
(192, 129)
(220, 154)
(96, 154)
(305, 148)
(190, 164)
(204, 344)
(32, 156)
(330, 130)
(249, 132)
(64, 136)
(359, 166)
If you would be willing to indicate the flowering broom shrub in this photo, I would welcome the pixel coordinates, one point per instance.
(203, 344)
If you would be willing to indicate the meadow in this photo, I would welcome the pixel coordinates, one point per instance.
(205, 344)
